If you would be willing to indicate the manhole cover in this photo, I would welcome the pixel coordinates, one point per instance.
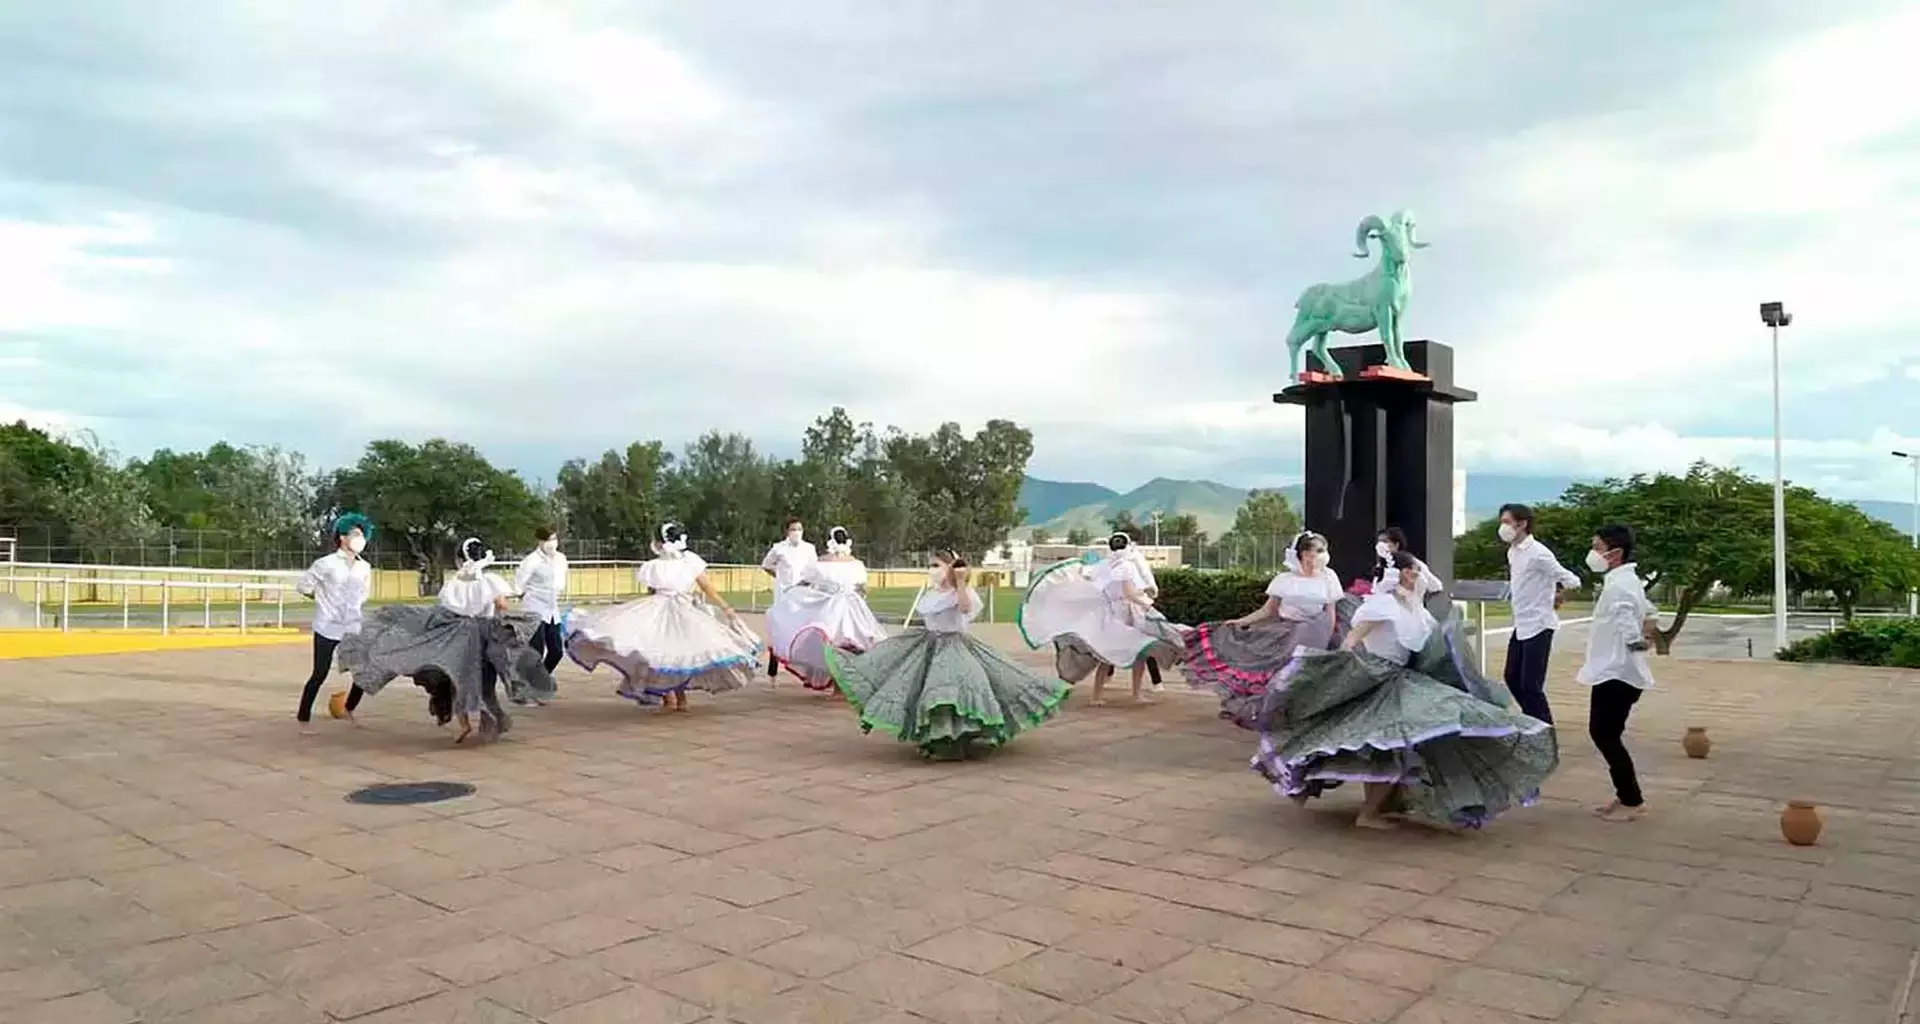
(410, 793)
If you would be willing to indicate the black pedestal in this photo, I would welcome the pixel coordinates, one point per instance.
(1380, 454)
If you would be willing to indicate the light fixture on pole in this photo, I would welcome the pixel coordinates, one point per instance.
(1913, 596)
(1156, 527)
(1775, 316)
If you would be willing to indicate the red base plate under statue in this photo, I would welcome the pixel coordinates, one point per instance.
(1370, 373)
(1392, 373)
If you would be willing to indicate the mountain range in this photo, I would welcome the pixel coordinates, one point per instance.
(1059, 506)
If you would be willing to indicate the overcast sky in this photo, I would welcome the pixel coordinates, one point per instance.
(551, 228)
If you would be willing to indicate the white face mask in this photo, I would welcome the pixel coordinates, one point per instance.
(550, 545)
(1508, 533)
(1597, 561)
(356, 544)
(1383, 549)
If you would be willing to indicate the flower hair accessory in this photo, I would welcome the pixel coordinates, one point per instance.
(839, 541)
(470, 565)
(673, 539)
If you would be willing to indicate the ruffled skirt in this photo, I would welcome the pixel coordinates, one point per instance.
(663, 644)
(947, 693)
(451, 657)
(1237, 662)
(1088, 630)
(804, 623)
(1438, 729)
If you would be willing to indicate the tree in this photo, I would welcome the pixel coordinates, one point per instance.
(619, 500)
(259, 497)
(103, 506)
(1263, 525)
(431, 496)
(965, 490)
(1039, 536)
(724, 491)
(1837, 549)
(35, 469)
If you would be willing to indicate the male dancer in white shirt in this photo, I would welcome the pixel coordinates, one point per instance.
(338, 583)
(1616, 668)
(540, 579)
(786, 561)
(1535, 579)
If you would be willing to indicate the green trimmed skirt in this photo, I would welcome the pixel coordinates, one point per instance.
(947, 693)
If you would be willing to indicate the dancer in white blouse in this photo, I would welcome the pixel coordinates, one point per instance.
(786, 562)
(681, 636)
(541, 580)
(938, 688)
(1098, 617)
(1393, 539)
(826, 608)
(338, 582)
(1536, 579)
(458, 650)
(1238, 657)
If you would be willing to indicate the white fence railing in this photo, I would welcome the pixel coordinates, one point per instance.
(45, 587)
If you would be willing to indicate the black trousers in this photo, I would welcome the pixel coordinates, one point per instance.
(1527, 674)
(546, 641)
(1612, 702)
(323, 664)
(1153, 671)
(773, 664)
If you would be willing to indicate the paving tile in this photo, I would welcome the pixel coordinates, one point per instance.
(743, 931)
(1065, 976)
(726, 985)
(1340, 998)
(1510, 992)
(361, 988)
(812, 954)
(653, 957)
(973, 950)
(587, 933)
(1160, 999)
(543, 990)
(475, 962)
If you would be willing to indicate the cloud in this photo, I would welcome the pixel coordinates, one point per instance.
(551, 229)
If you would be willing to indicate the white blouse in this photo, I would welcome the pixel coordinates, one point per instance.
(1304, 597)
(473, 596)
(835, 577)
(1401, 630)
(940, 611)
(671, 574)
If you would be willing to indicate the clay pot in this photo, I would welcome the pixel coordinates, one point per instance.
(1800, 823)
(1696, 742)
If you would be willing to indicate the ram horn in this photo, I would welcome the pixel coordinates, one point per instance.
(1413, 233)
(1366, 230)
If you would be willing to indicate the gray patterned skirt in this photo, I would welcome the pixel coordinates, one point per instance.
(1436, 728)
(453, 657)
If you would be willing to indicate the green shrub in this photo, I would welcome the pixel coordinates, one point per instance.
(1894, 643)
(1193, 596)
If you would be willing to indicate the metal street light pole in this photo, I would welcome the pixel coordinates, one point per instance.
(1913, 596)
(1775, 316)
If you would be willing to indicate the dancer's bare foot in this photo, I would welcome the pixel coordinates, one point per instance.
(1299, 799)
(1374, 822)
(1097, 702)
(306, 729)
(466, 730)
(1620, 813)
(1144, 698)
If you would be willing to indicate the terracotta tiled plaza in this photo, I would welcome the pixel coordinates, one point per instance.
(171, 850)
